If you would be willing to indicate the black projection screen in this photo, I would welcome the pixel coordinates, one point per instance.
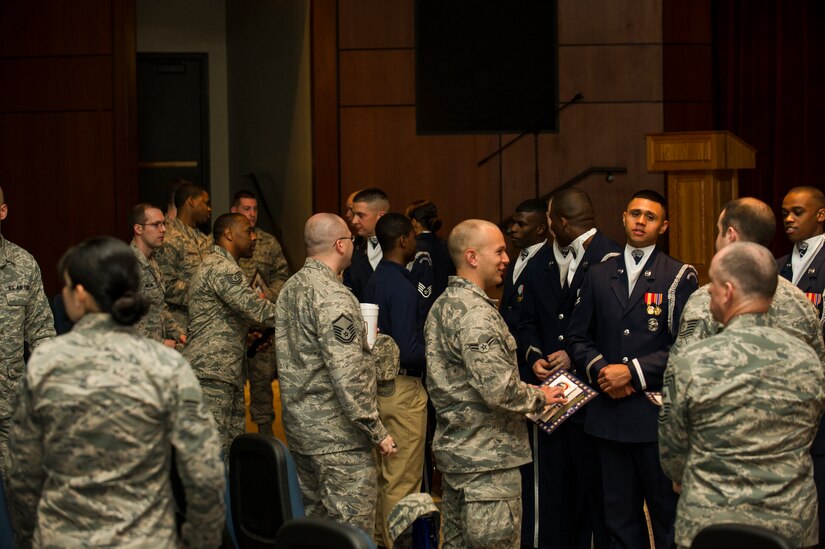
(485, 66)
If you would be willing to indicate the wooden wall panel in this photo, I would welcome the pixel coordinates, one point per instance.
(376, 24)
(68, 157)
(56, 83)
(56, 27)
(377, 77)
(379, 147)
(619, 73)
(610, 22)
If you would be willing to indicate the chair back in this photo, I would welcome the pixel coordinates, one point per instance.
(264, 491)
(317, 533)
(739, 536)
(6, 530)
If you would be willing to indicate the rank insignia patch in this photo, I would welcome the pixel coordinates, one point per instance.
(344, 329)
(482, 347)
(425, 291)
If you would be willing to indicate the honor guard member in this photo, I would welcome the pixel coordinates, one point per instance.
(432, 266)
(623, 325)
(99, 408)
(528, 233)
(149, 229)
(472, 378)
(25, 320)
(367, 207)
(550, 291)
(184, 247)
(222, 307)
(803, 214)
(328, 382)
(404, 412)
(740, 410)
(267, 270)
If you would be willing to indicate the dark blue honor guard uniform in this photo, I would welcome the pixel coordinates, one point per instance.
(608, 327)
(812, 283)
(430, 272)
(360, 270)
(566, 461)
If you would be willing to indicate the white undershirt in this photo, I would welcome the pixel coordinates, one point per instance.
(800, 264)
(374, 254)
(578, 253)
(635, 269)
(521, 262)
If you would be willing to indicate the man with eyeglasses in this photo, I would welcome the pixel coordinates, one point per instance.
(328, 382)
(149, 229)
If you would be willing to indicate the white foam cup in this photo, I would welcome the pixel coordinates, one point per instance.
(370, 313)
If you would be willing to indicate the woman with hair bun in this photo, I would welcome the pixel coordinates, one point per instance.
(99, 411)
(432, 265)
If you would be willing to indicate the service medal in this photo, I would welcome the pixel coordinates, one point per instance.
(657, 311)
(652, 324)
(650, 310)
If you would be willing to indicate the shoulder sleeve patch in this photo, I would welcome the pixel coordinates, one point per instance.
(481, 346)
(343, 328)
(234, 278)
(425, 291)
(687, 328)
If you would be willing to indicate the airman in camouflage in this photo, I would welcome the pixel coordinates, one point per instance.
(740, 410)
(751, 220)
(25, 318)
(222, 307)
(328, 382)
(148, 225)
(184, 248)
(473, 381)
(98, 409)
(404, 513)
(270, 266)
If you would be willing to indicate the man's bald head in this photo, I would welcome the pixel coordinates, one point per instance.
(750, 267)
(817, 196)
(322, 230)
(233, 221)
(467, 234)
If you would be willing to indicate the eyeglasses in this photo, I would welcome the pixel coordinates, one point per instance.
(156, 224)
(350, 238)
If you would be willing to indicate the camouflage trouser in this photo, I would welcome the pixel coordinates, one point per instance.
(261, 372)
(404, 414)
(482, 510)
(5, 423)
(225, 401)
(341, 486)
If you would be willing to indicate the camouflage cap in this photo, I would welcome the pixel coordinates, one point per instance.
(406, 511)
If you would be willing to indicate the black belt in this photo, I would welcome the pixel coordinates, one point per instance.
(412, 372)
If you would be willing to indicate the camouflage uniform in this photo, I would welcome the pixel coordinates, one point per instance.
(790, 311)
(25, 317)
(90, 442)
(183, 250)
(740, 411)
(480, 402)
(222, 306)
(157, 323)
(269, 261)
(404, 513)
(328, 395)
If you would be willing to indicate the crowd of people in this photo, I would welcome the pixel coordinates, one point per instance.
(708, 406)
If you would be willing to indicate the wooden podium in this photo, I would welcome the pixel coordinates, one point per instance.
(702, 176)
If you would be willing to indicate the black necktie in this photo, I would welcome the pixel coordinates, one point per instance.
(566, 250)
(637, 255)
(524, 253)
(802, 247)
(374, 241)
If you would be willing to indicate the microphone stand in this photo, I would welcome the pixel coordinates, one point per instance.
(537, 128)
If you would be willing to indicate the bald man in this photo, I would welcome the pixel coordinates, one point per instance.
(550, 291)
(740, 410)
(472, 378)
(25, 320)
(222, 307)
(328, 382)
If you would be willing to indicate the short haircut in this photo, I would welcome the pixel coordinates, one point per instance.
(425, 213)
(243, 193)
(187, 191)
(465, 236)
(371, 196)
(389, 228)
(749, 266)
(321, 231)
(816, 194)
(138, 214)
(224, 222)
(753, 220)
(651, 195)
(532, 205)
(575, 206)
(172, 189)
